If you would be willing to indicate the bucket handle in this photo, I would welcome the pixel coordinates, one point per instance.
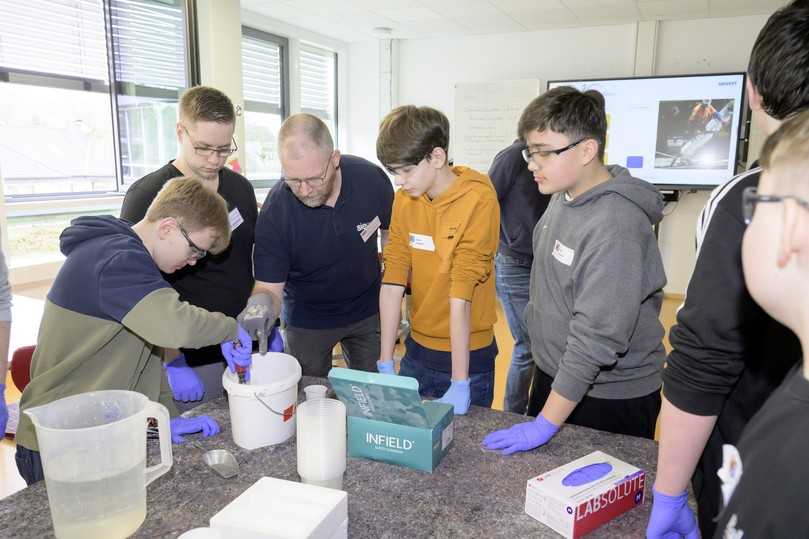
(268, 407)
(159, 412)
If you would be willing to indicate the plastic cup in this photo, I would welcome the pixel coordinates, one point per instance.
(321, 442)
(315, 392)
(201, 533)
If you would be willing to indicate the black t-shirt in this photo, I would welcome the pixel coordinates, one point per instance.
(772, 495)
(328, 261)
(220, 283)
(521, 203)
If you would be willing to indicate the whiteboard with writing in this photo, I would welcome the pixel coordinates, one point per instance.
(486, 116)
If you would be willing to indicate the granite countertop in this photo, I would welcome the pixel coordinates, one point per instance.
(472, 493)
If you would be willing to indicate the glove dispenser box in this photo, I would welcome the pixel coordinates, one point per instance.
(276, 509)
(388, 421)
(582, 495)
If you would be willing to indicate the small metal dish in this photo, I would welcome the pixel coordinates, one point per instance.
(222, 462)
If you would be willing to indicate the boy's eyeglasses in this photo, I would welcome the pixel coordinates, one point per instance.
(317, 181)
(750, 198)
(196, 252)
(206, 151)
(528, 155)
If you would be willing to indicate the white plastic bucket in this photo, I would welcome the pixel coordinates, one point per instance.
(262, 411)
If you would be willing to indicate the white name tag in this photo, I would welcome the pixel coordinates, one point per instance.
(235, 219)
(563, 253)
(422, 242)
(367, 229)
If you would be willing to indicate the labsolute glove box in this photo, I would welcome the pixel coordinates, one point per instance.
(582, 495)
(388, 421)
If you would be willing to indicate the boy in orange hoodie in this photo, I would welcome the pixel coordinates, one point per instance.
(443, 238)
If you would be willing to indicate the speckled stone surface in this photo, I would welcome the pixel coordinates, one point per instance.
(473, 492)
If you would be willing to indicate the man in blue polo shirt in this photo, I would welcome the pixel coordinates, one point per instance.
(316, 247)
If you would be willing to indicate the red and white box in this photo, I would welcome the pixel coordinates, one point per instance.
(582, 495)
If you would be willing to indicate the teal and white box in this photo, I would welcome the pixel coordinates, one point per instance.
(388, 421)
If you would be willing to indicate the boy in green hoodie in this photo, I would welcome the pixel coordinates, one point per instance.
(443, 237)
(109, 312)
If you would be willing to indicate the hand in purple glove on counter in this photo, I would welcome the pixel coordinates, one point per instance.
(522, 436)
(191, 425)
(671, 518)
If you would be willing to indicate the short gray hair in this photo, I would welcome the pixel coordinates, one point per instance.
(310, 127)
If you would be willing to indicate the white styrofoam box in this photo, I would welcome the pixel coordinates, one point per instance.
(276, 509)
(342, 531)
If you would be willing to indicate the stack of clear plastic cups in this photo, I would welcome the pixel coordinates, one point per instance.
(321, 442)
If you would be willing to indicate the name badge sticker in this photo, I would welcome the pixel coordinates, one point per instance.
(367, 230)
(235, 219)
(563, 253)
(422, 242)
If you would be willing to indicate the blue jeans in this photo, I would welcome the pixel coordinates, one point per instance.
(434, 383)
(29, 464)
(512, 278)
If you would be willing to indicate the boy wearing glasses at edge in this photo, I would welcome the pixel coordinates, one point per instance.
(317, 251)
(764, 477)
(727, 354)
(596, 281)
(220, 283)
(109, 310)
(443, 238)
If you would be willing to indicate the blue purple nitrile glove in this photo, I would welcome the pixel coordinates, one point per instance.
(522, 436)
(239, 354)
(184, 382)
(3, 411)
(458, 396)
(191, 425)
(276, 340)
(385, 367)
(671, 518)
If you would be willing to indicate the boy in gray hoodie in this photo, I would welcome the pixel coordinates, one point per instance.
(596, 281)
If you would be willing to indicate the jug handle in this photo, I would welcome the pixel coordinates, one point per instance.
(159, 412)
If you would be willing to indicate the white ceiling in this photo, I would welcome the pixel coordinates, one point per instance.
(354, 20)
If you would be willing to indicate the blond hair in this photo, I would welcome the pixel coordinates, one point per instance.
(206, 104)
(788, 147)
(195, 207)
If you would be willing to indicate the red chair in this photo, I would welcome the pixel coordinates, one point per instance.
(21, 366)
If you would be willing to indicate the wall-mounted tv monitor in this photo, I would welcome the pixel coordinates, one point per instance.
(678, 132)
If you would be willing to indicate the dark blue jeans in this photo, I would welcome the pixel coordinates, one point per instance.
(434, 383)
(512, 278)
(29, 465)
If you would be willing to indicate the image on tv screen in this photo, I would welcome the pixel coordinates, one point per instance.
(694, 134)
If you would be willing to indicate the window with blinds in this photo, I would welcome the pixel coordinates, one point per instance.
(265, 84)
(63, 38)
(318, 84)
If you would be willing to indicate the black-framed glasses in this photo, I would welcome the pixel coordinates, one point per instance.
(206, 151)
(197, 253)
(750, 198)
(528, 155)
(317, 181)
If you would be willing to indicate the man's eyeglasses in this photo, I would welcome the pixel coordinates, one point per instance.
(528, 155)
(750, 198)
(317, 181)
(196, 252)
(206, 151)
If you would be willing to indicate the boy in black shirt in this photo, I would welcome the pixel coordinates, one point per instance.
(727, 354)
(220, 283)
(764, 482)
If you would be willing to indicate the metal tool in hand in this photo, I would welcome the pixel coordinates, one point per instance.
(256, 315)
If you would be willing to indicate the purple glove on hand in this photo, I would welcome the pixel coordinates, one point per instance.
(185, 384)
(385, 367)
(276, 340)
(522, 436)
(3, 411)
(671, 518)
(240, 354)
(190, 425)
(458, 396)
